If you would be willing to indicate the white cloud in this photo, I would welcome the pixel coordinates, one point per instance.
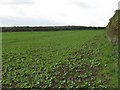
(81, 4)
(28, 21)
(16, 2)
(57, 12)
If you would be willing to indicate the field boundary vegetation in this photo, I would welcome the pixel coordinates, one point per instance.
(0, 57)
(48, 28)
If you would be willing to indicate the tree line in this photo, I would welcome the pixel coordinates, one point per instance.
(48, 28)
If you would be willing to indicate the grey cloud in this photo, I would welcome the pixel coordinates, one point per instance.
(61, 15)
(17, 2)
(119, 5)
(28, 21)
(81, 4)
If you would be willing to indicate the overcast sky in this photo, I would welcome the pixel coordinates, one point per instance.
(56, 12)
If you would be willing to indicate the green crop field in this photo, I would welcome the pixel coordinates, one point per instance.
(62, 59)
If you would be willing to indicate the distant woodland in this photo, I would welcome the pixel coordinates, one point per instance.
(48, 28)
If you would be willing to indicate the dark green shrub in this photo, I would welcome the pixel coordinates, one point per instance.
(113, 28)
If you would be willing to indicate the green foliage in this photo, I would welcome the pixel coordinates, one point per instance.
(113, 28)
(66, 59)
(48, 28)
